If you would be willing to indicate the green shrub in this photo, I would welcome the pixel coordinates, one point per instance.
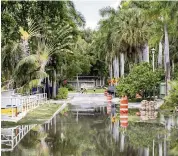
(171, 101)
(141, 79)
(70, 87)
(62, 93)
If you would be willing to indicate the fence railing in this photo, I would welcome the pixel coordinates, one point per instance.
(10, 137)
(18, 106)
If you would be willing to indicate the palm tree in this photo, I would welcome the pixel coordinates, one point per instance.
(130, 28)
(43, 54)
(11, 53)
(168, 18)
(106, 30)
(26, 35)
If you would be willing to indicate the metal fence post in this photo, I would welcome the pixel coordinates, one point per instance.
(11, 107)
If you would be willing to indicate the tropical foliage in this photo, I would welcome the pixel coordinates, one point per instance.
(127, 34)
(62, 93)
(39, 47)
(141, 79)
(45, 43)
(171, 101)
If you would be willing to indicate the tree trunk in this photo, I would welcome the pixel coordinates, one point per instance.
(47, 88)
(122, 61)
(25, 48)
(160, 149)
(114, 66)
(165, 145)
(110, 70)
(166, 59)
(135, 58)
(117, 67)
(146, 53)
(160, 57)
(173, 66)
(54, 84)
(103, 81)
(77, 83)
(140, 55)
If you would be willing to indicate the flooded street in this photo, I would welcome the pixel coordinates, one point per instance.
(92, 132)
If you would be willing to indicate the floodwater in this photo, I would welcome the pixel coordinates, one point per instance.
(94, 134)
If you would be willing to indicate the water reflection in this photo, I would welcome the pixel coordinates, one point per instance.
(10, 137)
(98, 135)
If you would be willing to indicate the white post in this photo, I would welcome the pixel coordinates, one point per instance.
(12, 107)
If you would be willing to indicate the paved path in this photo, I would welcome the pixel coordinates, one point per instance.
(99, 99)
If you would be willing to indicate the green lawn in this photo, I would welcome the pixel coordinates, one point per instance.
(37, 116)
(91, 91)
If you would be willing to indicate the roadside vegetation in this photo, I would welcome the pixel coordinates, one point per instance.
(46, 44)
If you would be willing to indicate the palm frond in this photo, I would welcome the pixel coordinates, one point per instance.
(41, 74)
(33, 28)
(31, 60)
(107, 11)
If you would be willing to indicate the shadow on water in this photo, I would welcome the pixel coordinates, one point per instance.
(83, 134)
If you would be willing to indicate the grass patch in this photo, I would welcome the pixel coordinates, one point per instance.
(36, 116)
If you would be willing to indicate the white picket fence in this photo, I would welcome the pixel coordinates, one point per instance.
(24, 104)
(10, 137)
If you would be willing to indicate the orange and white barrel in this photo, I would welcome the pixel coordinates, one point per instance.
(124, 112)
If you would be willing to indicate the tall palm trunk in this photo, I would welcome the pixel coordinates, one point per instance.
(25, 47)
(173, 66)
(160, 57)
(110, 70)
(146, 53)
(140, 55)
(116, 67)
(54, 84)
(42, 69)
(122, 61)
(160, 149)
(117, 61)
(135, 58)
(166, 59)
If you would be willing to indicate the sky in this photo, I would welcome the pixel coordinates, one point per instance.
(90, 10)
